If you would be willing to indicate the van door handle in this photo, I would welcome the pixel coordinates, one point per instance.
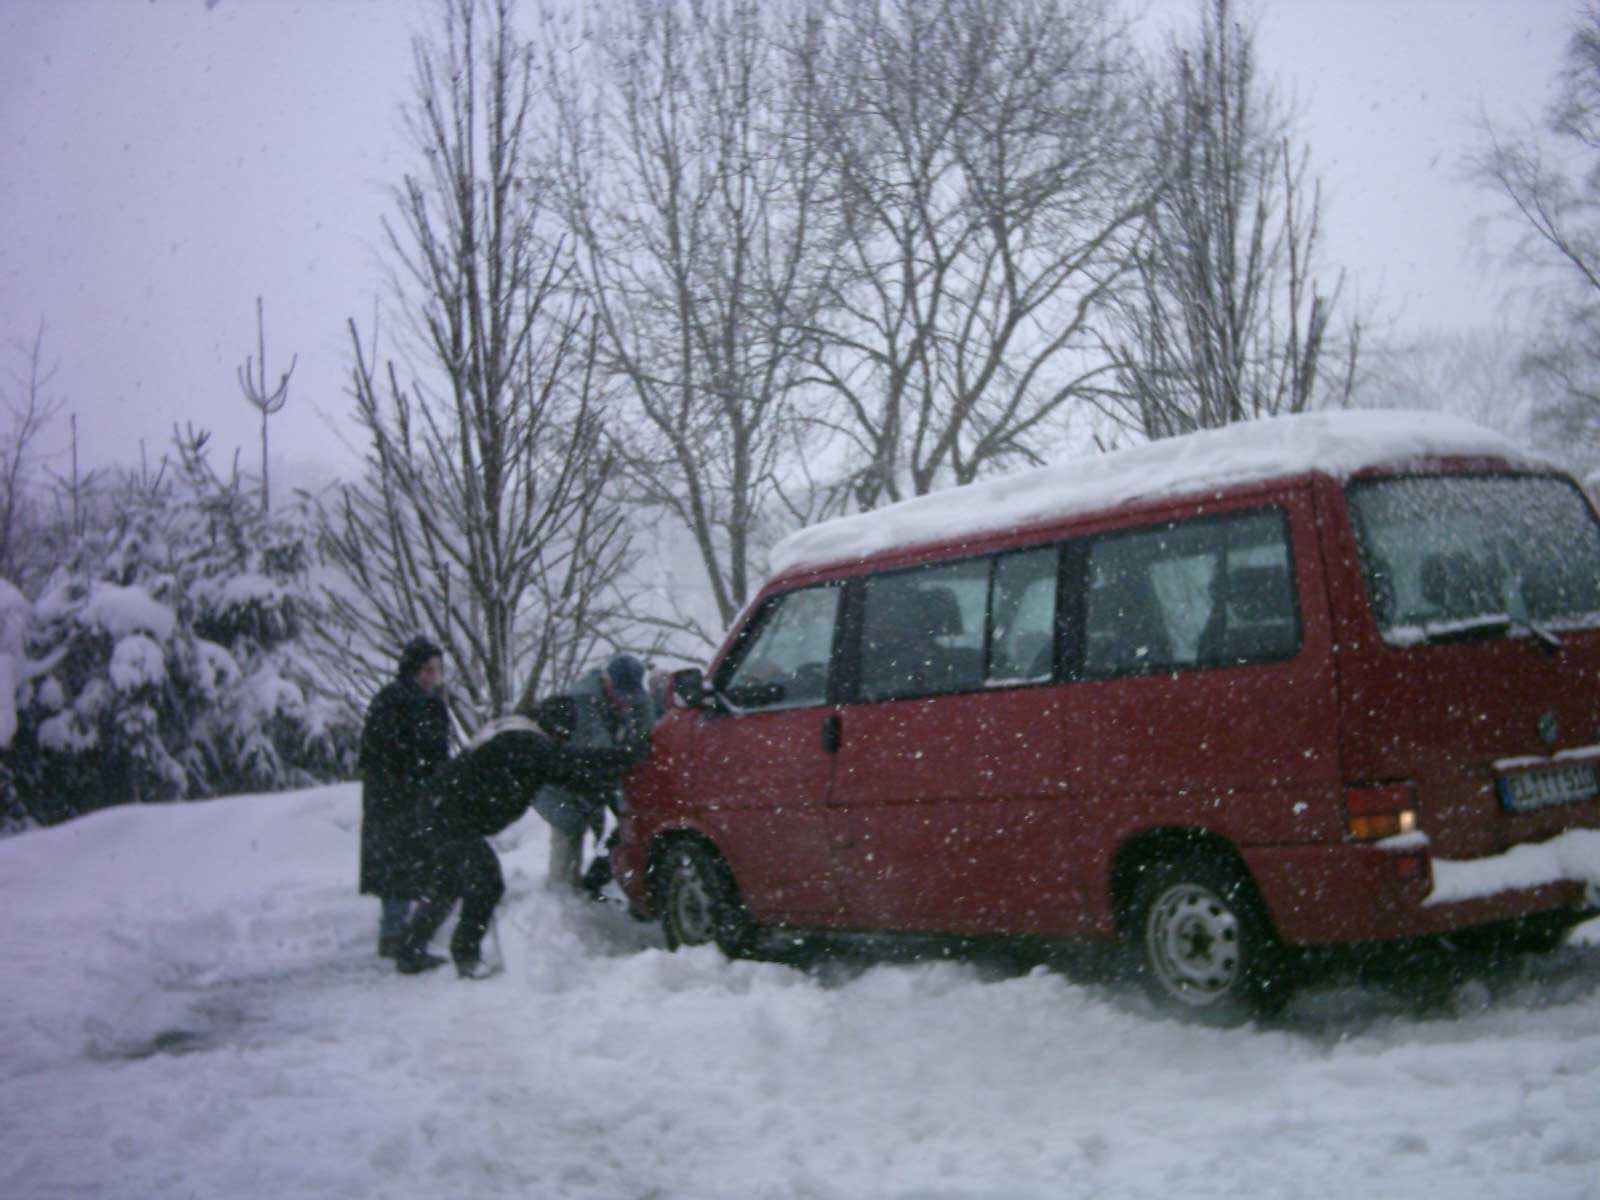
(832, 733)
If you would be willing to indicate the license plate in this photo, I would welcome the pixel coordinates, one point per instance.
(1554, 785)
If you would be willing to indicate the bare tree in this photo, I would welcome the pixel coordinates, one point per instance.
(30, 408)
(255, 393)
(987, 168)
(1474, 373)
(76, 488)
(483, 517)
(1229, 320)
(691, 175)
(1551, 198)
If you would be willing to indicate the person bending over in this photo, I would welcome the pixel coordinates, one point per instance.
(476, 795)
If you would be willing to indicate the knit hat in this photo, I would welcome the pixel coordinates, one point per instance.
(626, 673)
(417, 651)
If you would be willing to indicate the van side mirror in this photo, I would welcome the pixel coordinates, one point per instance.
(689, 687)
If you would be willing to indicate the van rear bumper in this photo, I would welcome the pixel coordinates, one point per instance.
(1323, 895)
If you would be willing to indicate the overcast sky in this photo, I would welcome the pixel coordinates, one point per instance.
(166, 161)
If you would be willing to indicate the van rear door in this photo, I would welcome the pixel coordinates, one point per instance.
(1470, 650)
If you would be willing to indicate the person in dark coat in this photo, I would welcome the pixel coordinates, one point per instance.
(476, 795)
(406, 736)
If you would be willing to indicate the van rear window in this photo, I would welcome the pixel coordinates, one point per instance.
(1460, 555)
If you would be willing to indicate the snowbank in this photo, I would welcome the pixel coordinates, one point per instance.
(1571, 855)
(191, 1006)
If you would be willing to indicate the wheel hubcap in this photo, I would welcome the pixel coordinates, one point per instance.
(1193, 937)
(691, 906)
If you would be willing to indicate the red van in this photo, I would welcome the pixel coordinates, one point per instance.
(1314, 680)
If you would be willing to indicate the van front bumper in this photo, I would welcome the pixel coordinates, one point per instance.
(630, 868)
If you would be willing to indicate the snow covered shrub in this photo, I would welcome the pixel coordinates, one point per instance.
(272, 727)
(97, 709)
(163, 660)
(127, 704)
(249, 606)
(14, 610)
(13, 816)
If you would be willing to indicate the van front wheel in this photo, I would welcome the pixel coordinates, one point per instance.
(700, 903)
(1205, 947)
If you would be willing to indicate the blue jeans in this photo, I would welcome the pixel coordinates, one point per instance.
(392, 919)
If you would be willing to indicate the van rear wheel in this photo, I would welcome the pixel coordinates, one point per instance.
(700, 903)
(1205, 947)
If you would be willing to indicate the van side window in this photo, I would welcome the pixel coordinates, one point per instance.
(1022, 635)
(1208, 592)
(786, 663)
(922, 631)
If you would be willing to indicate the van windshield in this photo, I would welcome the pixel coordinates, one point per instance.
(1458, 556)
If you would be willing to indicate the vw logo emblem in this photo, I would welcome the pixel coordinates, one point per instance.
(1548, 728)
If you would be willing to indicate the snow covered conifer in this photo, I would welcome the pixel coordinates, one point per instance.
(163, 661)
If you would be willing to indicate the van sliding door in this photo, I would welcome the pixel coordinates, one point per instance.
(948, 750)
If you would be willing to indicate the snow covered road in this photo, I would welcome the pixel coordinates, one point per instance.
(190, 1007)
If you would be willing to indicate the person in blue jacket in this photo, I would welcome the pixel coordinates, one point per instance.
(611, 707)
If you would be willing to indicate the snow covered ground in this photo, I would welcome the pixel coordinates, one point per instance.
(190, 1007)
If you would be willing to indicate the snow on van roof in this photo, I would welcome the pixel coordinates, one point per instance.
(1338, 443)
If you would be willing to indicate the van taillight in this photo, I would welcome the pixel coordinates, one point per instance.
(1380, 811)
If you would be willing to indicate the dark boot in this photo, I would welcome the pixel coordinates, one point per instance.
(388, 945)
(411, 955)
(597, 876)
(415, 964)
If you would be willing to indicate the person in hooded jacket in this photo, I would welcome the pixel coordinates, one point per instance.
(406, 736)
(476, 795)
(611, 708)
